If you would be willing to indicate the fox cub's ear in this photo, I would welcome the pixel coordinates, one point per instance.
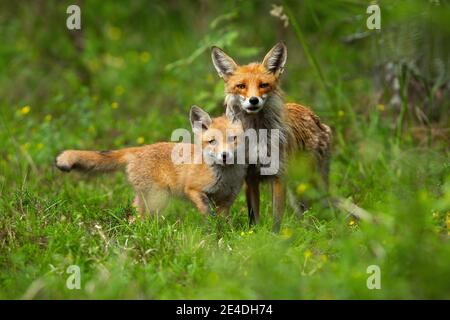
(200, 119)
(224, 65)
(275, 59)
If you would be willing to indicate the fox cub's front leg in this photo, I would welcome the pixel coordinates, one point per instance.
(201, 201)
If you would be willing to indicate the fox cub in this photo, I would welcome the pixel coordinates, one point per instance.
(212, 182)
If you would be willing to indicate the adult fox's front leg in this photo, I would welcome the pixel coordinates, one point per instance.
(278, 203)
(252, 195)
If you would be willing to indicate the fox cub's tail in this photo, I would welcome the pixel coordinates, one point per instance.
(94, 161)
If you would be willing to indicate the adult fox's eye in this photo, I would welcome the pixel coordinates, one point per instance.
(212, 142)
(263, 85)
(240, 86)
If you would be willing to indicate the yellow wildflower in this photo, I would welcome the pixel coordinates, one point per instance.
(114, 105)
(301, 188)
(351, 222)
(286, 233)
(140, 140)
(40, 146)
(341, 113)
(307, 254)
(48, 118)
(242, 233)
(380, 107)
(25, 110)
(250, 232)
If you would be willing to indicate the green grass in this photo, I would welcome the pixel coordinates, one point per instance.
(50, 220)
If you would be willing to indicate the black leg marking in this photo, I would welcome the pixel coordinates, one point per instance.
(251, 217)
(210, 204)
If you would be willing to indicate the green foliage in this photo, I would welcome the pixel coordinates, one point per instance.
(139, 68)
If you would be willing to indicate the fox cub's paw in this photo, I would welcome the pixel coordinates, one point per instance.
(65, 161)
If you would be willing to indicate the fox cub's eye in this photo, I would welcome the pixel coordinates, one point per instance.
(240, 86)
(232, 138)
(263, 85)
(212, 142)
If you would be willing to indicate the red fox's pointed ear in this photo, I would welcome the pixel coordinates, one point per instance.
(275, 59)
(224, 65)
(200, 119)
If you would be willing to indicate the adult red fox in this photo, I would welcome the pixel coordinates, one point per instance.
(255, 88)
(151, 170)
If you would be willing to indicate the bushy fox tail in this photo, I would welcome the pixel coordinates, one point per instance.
(94, 161)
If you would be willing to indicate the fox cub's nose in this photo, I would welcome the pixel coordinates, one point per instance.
(253, 100)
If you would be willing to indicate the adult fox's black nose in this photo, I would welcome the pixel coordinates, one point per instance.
(224, 156)
(253, 100)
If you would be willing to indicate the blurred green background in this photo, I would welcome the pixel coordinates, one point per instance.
(129, 76)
